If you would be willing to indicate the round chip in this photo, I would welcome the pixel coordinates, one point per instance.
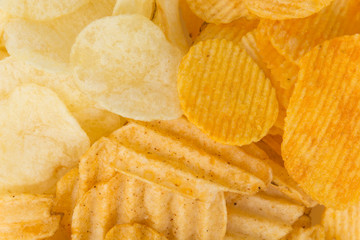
(224, 92)
(285, 9)
(133, 231)
(40, 9)
(322, 127)
(40, 140)
(147, 8)
(128, 67)
(218, 11)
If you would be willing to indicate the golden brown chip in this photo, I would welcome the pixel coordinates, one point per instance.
(271, 145)
(219, 11)
(294, 38)
(320, 147)
(125, 199)
(133, 231)
(285, 9)
(224, 92)
(342, 224)
(312, 233)
(192, 22)
(233, 31)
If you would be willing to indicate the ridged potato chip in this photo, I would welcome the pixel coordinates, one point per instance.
(125, 199)
(225, 93)
(285, 9)
(130, 71)
(192, 22)
(342, 224)
(27, 217)
(47, 44)
(294, 38)
(320, 146)
(312, 233)
(40, 9)
(219, 11)
(133, 231)
(40, 140)
(233, 31)
(147, 8)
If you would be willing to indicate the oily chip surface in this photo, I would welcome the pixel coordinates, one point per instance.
(133, 231)
(224, 93)
(321, 137)
(128, 67)
(40, 140)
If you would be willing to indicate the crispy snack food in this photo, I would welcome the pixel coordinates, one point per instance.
(133, 231)
(40, 140)
(137, 78)
(224, 92)
(27, 217)
(320, 146)
(192, 22)
(147, 8)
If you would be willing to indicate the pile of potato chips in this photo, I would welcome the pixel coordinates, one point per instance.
(180, 119)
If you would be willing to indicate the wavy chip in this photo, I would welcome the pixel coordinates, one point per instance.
(312, 233)
(232, 103)
(294, 38)
(147, 8)
(125, 199)
(133, 231)
(218, 11)
(285, 9)
(342, 224)
(192, 22)
(42, 9)
(320, 147)
(133, 72)
(27, 217)
(40, 140)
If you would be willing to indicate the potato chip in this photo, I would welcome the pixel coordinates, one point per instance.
(124, 73)
(47, 44)
(232, 103)
(294, 38)
(125, 199)
(192, 22)
(158, 157)
(312, 233)
(40, 140)
(342, 224)
(271, 145)
(233, 31)
(27, 217)
(133, 231)
(147, 8)
(95, 122)
(285, 9)
(40, 10)
(320, 147)
(219, 11)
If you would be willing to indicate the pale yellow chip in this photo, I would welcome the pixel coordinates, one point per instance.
(125, 199)
(219, 11)
(40, 9)
(133, 231)
(342, 224)
(147, 8)
(285, 9)
(320, 147)
(192, 22)
(312, 233)
(47, 44)
(40, 140)
(27, 217)
(128, 67)
(225, 93)
(233, 31)
(294, 38)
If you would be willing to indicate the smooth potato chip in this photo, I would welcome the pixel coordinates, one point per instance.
(125, 199)
(342, 224)
(320, 146)
(224, 92)
(219, 11)
(133, 231)
(40, 9)
(285, 9)
(147, 8)
(294, 38)
(233, 31)
(192, 22)
(40, 140)
(130, 71)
